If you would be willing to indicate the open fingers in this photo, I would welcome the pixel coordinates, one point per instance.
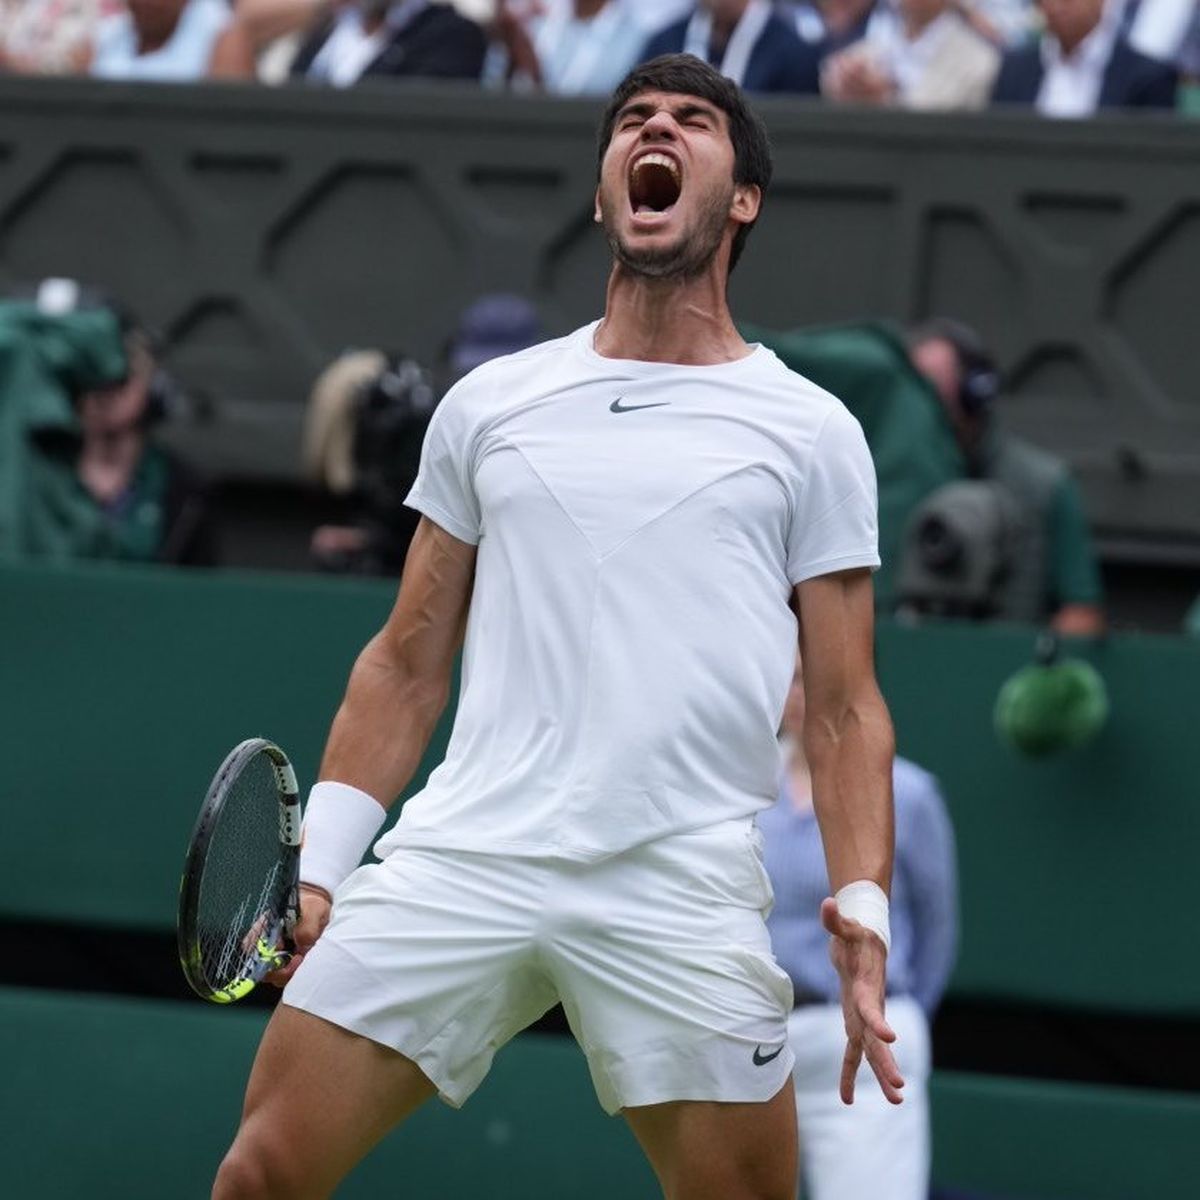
(883, 1063)
(850, 1064)
(871, 1015)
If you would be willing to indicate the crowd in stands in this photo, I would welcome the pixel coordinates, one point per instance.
(1065, 58)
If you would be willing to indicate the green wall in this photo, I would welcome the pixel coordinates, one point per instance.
(1067, 865)
(137, 1100)
(122, 690)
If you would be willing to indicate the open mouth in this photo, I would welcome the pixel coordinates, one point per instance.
(654, 184)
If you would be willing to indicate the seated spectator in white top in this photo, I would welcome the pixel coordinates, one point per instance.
(263, 39)
(566, 47)
(746, 40)
(1083, 64)
(1158, 28)
(50, 37)
(830, 25)
(389, 39)
(166, 41)
(834, 24)
(1189, 50)
(653, 15)
(927, 57)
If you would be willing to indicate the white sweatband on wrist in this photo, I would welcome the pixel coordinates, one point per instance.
(340, 822)
(864, 901)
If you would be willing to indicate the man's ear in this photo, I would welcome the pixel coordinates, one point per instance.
(747, 200)
(596, 207)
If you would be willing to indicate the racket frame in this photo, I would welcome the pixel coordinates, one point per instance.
(268, 957)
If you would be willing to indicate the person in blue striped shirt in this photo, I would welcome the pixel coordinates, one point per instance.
(872, 1148)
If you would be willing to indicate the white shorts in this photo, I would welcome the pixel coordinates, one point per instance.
(660, 956)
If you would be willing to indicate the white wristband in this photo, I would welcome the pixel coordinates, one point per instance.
(864, 901)
(340, 822)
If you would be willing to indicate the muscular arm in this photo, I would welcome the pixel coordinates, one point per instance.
(847, 732)
(401, 680)
(397, 690)
(849, 745)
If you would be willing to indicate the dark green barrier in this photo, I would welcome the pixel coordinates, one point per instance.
(1027, 1140)
(120, 692)
(138, 1099)
(1070, 868)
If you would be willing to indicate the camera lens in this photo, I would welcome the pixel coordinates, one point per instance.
(939, 544)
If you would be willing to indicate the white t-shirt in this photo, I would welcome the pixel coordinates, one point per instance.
(630, 642)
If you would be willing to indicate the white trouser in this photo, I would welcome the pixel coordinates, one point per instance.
(870, 1150)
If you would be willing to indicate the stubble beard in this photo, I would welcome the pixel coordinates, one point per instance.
(687, 258)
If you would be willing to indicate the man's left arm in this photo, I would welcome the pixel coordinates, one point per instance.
(849, 744)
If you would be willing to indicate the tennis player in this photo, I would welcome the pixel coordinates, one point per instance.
(631, 526)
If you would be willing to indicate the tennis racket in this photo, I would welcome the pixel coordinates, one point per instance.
(238, 899)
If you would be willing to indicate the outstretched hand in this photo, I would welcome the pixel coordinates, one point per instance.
(861, 961)
(315, 906)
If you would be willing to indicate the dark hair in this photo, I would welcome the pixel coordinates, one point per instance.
(687, 75)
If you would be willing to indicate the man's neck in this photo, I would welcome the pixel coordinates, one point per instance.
(1067, 49)
(913, 28)
(723, 27)
(585, 10)
(152, 40)
(668, 320)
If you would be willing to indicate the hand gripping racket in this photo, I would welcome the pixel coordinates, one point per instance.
(238, 899)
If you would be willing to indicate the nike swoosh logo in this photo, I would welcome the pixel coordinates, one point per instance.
(761, 1059)
(617, 406)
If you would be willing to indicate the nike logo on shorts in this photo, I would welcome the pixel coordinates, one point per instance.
(761, 1059)
(617, 407)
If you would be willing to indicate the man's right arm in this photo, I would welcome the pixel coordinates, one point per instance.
(401, 680)
(397, 690)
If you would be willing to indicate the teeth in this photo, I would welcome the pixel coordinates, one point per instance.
(659, 160)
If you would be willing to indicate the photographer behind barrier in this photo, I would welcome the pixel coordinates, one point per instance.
(1011, 541)
(366, 421)
(82, 393)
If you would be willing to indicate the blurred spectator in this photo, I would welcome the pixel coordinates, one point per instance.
(365, 424)
(1189, 53)
(387, 39)
(162, 40)
(81, 393)
(1157, 28)
(870, 1149)
(263, 38)
(1082, 64)
(1023, 512)
(654, 15)
(928, 57)
(830, 24)
(366, 421)
(50, 37)
(747, 41)
(567, 47)
(494, 325)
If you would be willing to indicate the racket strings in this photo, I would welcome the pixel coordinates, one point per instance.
(243, 885)
(249, 923)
